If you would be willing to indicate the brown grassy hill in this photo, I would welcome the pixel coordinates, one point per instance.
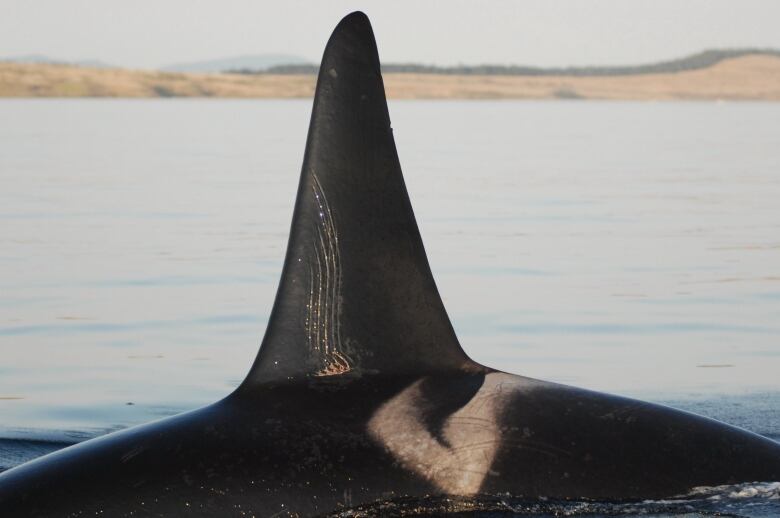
(751, 77)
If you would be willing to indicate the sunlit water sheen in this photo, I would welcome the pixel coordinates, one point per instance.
(628, 247)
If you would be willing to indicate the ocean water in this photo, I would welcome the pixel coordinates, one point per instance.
(626, 247)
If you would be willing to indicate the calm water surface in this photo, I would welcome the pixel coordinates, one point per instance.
(628, 247)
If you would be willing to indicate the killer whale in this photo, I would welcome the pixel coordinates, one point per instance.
(361, 393)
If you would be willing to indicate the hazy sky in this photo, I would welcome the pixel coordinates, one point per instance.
(150, 33)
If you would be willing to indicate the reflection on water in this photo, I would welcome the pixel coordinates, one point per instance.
(616, 246)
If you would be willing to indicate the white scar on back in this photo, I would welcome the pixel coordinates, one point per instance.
(472, 436)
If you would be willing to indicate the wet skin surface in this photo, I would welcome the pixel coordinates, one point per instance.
(320, 446)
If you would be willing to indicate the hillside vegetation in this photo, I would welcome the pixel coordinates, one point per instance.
(753, 76)
(698, 61)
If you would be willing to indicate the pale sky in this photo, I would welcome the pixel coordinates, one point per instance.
(152, 33)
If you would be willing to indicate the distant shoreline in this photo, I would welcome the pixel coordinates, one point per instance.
(751, 76)
(696, 61)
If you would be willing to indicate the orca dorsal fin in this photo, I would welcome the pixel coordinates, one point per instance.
(356, 294)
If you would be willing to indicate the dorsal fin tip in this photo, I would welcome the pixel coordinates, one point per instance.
(356, 294)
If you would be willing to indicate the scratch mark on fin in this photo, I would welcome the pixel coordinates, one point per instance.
(323, 315)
